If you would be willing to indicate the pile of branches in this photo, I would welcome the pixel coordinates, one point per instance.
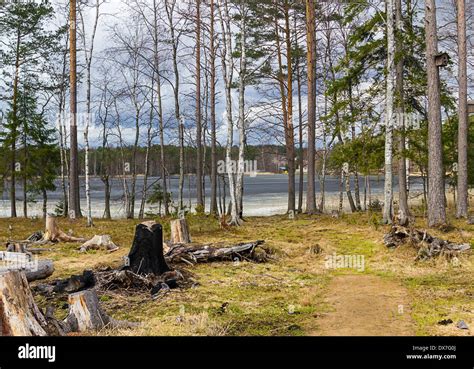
(122, 280)
(428, 246)
(193, 254)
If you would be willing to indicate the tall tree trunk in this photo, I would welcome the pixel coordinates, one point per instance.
(160, 107)
(300, 126)
(13, 165)
(311, 60)
(25, 165)
(323, 168)
(213, 209)
(436, 190)
(74, 194)
(170, 8)
(347, 176)
(289, 129)
(199, 176)
(25, 190)
(389, 112)
(133, 192)
(462, 200)
(239, 188)
(62, 140)
(341, 191)
(353, 137)
(141, 213)
(403, 210)
(227, 70)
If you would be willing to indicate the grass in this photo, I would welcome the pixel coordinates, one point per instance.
(280, 297)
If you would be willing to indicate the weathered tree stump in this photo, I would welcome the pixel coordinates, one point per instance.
(19, 314)
(146, 254)
(85, 314)
(54, 234)
(180, 231)
(99, 242)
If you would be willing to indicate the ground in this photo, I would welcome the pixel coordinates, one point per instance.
(293, 294)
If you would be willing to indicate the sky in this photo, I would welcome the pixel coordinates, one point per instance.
(113, 11)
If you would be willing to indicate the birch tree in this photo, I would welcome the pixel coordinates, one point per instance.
(389, 113)
(311, 63)
(227, 72)
(199, 157)
(88, 49)
(239, 190)
(212, 57)
(175, 34)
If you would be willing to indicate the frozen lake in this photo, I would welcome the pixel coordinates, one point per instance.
(265, 194)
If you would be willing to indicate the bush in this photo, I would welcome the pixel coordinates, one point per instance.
(375, 205)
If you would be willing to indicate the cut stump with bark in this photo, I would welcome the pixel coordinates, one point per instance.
(146, 254)
(53, 233)
(19, 314)
(180, 231)
(86, 314)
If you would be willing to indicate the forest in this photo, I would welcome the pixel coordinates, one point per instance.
(234, 167)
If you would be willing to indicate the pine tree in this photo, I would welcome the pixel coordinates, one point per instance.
(27, 46)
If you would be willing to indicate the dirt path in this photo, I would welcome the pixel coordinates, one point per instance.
(365, 305)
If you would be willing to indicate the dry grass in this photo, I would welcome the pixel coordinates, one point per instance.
(281, 297)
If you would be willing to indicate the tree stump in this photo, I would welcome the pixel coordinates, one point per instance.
(180, 231)
(146, 254)
(85, 314)
(99, 242)
(53, 233)
(19, 314)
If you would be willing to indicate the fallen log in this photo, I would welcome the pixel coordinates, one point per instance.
(99, 242)
(180, 231)
(74, 283)
(34, 268)
(24, 247)
(428, 245)
(206, 253)
(44, 269)
(85, 314)
(17, 247)
(146, 254)
(19, 314)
